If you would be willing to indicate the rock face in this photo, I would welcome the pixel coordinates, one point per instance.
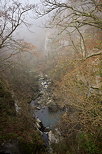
(54, 137)
(40, 125)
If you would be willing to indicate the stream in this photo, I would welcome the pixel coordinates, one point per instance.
(47, 120)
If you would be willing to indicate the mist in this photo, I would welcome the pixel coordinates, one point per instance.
(35, 32)
(50, 76)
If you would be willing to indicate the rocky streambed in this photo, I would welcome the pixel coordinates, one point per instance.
(47, 112)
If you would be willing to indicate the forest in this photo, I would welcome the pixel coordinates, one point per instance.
(51, 77)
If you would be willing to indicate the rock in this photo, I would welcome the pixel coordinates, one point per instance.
(49, 102)
(43, 107)
(42, 128)
(38, 125)
(52, 138)
(45, 137)
(38, 120)
(17, 107)
(43, 83)
(46, 86)
(47, 129)
(38, 108)
(58, 132)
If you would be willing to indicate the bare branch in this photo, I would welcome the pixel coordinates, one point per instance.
(12, 15)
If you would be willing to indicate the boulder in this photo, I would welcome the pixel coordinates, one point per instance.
(38, 108)
(47, 129)
(38, 120)
(52, 138)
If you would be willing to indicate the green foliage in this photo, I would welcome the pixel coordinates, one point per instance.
(84, 143)
(88, 144)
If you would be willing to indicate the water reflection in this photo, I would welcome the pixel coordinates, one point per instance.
(49, 119)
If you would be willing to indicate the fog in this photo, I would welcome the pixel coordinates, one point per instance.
(35, 32)
(50, 78)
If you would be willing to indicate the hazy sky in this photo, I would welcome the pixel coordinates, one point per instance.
(36, 32)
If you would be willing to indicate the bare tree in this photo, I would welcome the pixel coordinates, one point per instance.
(83, 12)
(73, 15)
(12, 15)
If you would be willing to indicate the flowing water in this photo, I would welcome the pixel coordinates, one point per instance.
(49, 119)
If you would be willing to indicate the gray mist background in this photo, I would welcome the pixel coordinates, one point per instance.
(35, 33)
